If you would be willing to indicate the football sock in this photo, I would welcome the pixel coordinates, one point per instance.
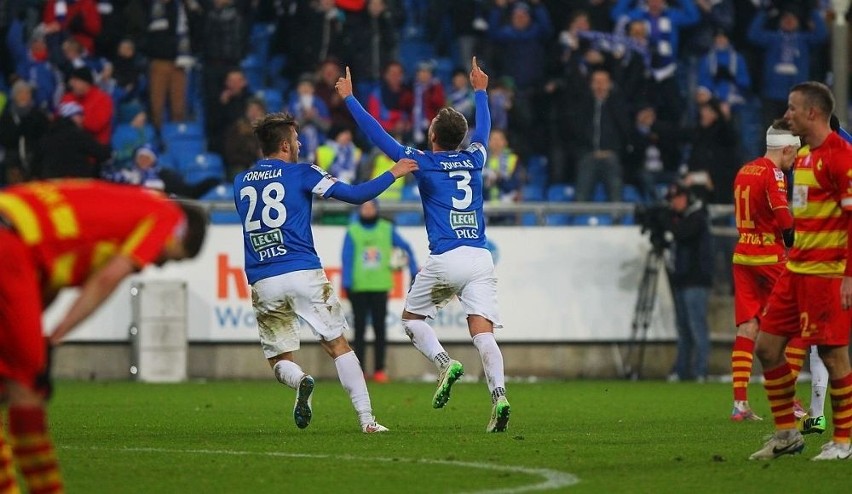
(780, 388)
(352, 378)
(492, 363)
(819, 383)
(8, 483)
(795, 353)
(33, 450)
(742, 358)
(425, 340)
(288, 373)
(841, 408)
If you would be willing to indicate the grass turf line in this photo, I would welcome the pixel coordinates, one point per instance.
(615, 436)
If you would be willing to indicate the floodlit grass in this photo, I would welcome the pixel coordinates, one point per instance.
(239, 437)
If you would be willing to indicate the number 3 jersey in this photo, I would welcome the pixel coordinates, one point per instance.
(760, 207)
(273, 199)
(450, 186)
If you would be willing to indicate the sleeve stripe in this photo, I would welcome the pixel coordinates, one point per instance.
(322, 187)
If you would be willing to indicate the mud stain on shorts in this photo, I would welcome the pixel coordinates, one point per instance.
(441, 292)
(277, 316)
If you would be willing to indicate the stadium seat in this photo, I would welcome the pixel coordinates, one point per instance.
(182, 131)
(593, 219)
(260, 35)
(631, 193)
(196, 168)
(254, 69)
(600, 195)
(559, 193)
(223, 193)
(532, 193)
(272, 97)
(537, 173)
(179, 149)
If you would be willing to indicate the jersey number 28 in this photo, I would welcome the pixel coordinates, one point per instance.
(273, 214)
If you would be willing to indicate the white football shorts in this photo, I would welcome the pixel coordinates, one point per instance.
(464, 271)
(280, 301)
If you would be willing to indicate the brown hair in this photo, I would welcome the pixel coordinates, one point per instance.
(816, 95)
(449, 128)
(272, 130)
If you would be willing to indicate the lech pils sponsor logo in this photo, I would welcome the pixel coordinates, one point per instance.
(263, 240)
(459, 219)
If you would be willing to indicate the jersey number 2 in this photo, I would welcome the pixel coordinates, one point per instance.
(464, 186)
(273, 214)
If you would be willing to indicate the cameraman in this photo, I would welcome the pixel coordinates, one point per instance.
(691, 279)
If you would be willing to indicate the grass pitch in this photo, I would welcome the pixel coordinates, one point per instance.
(574, 436)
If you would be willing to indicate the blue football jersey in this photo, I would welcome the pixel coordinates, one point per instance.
(274, 201)
(450, 185)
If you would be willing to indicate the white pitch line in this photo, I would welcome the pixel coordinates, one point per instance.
(553, 479)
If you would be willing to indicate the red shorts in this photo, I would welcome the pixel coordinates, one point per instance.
(22, 351)
(807, 306)
(752, 286)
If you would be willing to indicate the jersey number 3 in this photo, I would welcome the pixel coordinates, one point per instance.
(273, 214)
(464, 186)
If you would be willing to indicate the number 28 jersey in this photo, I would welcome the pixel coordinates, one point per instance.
(450, 186)
(274, 202)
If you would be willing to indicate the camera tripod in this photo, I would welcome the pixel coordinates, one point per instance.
(643, 312)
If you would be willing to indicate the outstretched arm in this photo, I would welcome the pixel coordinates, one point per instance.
(361, 193)
(366, 122)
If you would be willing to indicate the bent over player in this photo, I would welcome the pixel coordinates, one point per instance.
(813, 296)
(58, 234)
(450, 182)
(273, 199)
(765, 228)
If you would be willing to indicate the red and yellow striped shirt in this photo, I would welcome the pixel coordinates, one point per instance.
(822, 200)
(75, 226)
(760, 189)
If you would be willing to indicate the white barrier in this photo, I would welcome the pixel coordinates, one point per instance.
(555, 284)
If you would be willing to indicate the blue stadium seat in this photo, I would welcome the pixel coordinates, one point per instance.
(537, 173)
(224, 192)
(559, 193)
(600, 195)
(631, 193)
(272, 97)
(443, 70)
(532, 193)
(196, 168)
(254, 69)
(593, 219)
(179, 148)
(259, 38)
(182, 130)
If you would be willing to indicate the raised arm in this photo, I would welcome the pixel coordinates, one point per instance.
(366, 122)
(479, 81)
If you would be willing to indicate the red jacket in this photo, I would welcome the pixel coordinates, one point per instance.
(97, 113)
(88, 26)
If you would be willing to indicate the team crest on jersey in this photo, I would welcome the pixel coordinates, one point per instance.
(779, 175)
(410, 150)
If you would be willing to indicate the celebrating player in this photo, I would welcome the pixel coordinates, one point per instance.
(765, 228)
(287, 281)
(59, 234)
(450, 182)
(813, 296)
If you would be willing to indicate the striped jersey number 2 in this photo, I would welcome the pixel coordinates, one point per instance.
(464, 186)
(272, 214)
(742, 207)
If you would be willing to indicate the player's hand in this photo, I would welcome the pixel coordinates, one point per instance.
(403, 167)
(478, 78)
(344, 85)
(846, 293)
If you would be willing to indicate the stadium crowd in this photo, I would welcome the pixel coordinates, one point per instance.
(592, 100)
